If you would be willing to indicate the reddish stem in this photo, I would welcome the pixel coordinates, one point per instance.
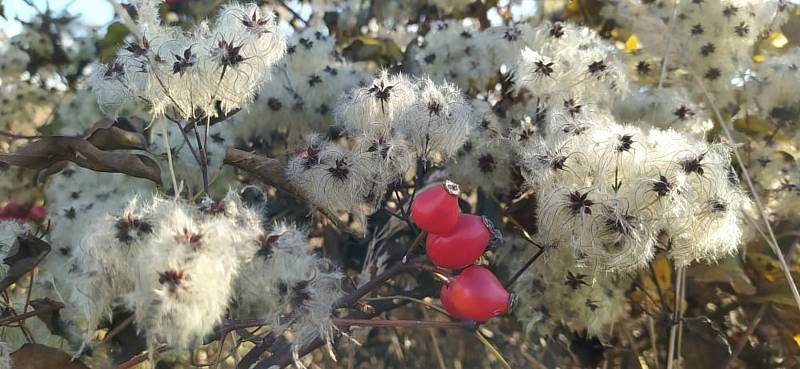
(138, 359)
(344, 322)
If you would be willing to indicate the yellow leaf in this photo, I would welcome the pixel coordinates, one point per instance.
(758, 58)
(780, 298)
(663, 271)
(632, 44)
(380, 50)
(797, 339)
(573, 6)
(778, 40)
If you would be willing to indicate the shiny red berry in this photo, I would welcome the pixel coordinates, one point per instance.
(476, 294)
(435, 210)
(465, 244)
(446, 296)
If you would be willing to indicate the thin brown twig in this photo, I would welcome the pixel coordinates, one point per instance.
(460, 324)
(435, 343)
(525, 267)
(52, 307)
(367, 287)
(417, 242)
(138, 359)
(119, 328)
(491, 347)
(282, 352)
(15, 136)
(665, 61)
(272, 172)
(746, 337)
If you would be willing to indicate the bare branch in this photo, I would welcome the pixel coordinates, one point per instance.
(272, 172)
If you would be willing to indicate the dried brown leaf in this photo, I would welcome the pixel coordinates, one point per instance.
(704, 344)
(48, 311)
(36, 356)
(109, 134)
(48, 152)
(27, 252)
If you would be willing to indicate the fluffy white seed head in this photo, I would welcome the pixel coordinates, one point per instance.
(202, 72)
(377, 106)
(438, 122)
(171, 263)
(610, 191)
(559, 291)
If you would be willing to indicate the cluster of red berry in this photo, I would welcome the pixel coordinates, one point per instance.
(456, 241)
(23, 213)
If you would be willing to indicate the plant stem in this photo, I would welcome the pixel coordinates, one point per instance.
(524, 267)
(374, 283)
(53, 307)
(203, 155)
(138, 359)
(493, 349)
(417, 242)
(461, 324)
(665, 61)
(743, 341)
(271, 172)
(676, 318)
(282, 353)
(15, 136)
(124, 324)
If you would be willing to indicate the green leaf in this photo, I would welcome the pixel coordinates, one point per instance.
(115, 36)
(780, 298)
(383, 51)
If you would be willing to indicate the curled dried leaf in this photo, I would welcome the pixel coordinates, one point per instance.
(36, 356)
(27, 252)
(109, 134)
(48, 152)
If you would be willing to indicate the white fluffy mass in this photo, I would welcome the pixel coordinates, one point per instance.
(179, 267)
(207, 71)
(390, 124)
(613, 192)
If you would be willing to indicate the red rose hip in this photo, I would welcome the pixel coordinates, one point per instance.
(465, 244)
(447, 302)
(435, 210)
(476, 294)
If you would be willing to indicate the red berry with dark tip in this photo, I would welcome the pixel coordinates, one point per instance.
(435, 210)
(477, 295)
(465, 244)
